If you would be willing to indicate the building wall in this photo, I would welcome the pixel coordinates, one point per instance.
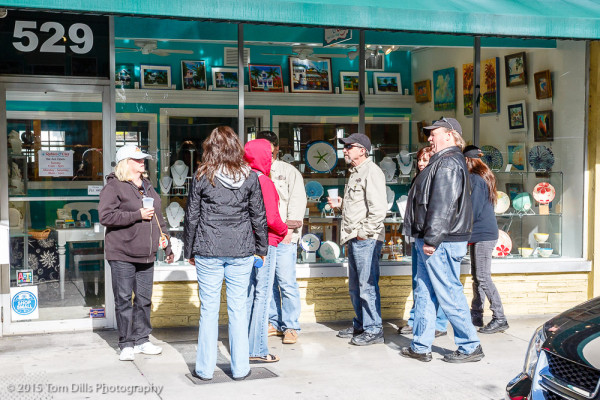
(327, 299)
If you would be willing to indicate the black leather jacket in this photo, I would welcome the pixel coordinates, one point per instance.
(439, 202)
(225, 222)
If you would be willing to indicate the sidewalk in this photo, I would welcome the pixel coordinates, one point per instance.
(85, 365)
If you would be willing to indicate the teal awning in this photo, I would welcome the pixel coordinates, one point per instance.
(522, 18)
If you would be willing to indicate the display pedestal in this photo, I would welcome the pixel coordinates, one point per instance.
(309, 256)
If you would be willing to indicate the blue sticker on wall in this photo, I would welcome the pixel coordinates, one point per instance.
(24, 303)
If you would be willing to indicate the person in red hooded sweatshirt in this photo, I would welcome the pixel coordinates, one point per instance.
(259, 156)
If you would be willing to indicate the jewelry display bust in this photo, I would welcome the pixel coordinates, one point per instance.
(405, 162)
(179, 172)
(388, 167)
(165, 184)
(175, 214)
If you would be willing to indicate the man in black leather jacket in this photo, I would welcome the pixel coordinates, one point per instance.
(440, 217)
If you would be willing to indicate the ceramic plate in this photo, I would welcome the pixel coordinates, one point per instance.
(502, 203)
(503, 245)
(492, 157)
(314, 189)
(310, 242)
(321, 156)
(288, 158)
(329, 251)
(522, 202)
(541, 158)
(544, 193)
(390, 197)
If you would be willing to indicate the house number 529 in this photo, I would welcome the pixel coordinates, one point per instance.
(80, 34)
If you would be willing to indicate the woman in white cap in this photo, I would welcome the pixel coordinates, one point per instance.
(131, 241)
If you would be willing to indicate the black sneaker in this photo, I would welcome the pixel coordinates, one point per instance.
(440, 333)
(477, 321)
(495, 325)
(409, 353)
(195, 375)
(241, 378)
(349, 332)
(367, 338)
(405, 330)
(460, 357)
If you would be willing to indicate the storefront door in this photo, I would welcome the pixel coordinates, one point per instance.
(54, 171)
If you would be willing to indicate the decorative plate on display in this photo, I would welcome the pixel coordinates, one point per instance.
(321, 156)
(544, 193)
(390, 197)
(522, 202)
(502, 203)
(288, 158)
(329, 251)
(492, 157)
(503, 245)
(310, 242)
(314, 189)
(541, 158)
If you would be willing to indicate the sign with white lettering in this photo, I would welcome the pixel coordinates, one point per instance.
(55, 163)
(60, 44)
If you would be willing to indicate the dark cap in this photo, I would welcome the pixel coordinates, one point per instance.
(358, 138)
(472, 151)
(449, 123)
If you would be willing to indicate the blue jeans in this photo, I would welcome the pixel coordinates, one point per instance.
(210, 271)
(363, 281)
(284, 310)
(441, 321)
(438, 276)
(259, 293)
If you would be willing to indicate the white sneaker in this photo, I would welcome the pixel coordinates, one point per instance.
(127, 354)
(148, 348)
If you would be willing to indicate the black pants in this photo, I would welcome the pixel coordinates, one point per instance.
(133, 320)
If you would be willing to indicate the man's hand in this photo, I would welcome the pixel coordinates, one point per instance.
(192, 261)
(288, 238)
(428, 250)
(359, 238)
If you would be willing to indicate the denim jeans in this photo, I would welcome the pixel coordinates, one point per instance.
(441, 321)
(133, 321)
(438, 276)
(363, 281)
(210, 271)
(483, 286)
(259, 293)
(284, 310)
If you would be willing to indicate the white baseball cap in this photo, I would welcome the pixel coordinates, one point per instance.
(131, 151)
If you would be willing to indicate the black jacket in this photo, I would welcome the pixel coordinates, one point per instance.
(222, 221)
(439, 202)
(485, 227)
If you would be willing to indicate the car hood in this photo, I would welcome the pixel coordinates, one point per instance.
(575, 334)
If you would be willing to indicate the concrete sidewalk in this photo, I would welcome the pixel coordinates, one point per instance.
(85, 365)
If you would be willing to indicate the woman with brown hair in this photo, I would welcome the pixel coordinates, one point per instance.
(225, 226)
(482, 242)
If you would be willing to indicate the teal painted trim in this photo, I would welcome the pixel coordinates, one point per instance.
(53, 107)
(534, 18)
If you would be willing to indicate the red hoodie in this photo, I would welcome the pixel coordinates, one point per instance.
(259, 156)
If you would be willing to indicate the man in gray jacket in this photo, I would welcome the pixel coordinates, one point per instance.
(364, 208)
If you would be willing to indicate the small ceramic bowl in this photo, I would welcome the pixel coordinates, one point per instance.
(545, 252)
(540, 237)
(525, 251)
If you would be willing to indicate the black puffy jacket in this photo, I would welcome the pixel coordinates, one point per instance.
(439, 202)
(225, 222)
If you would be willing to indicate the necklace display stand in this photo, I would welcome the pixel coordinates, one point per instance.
(179, 172)
(175, 214)
(405, 162)
(165, 184)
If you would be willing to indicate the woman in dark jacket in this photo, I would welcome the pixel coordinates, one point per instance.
(131, 241)
(225, 226)
(482, 242)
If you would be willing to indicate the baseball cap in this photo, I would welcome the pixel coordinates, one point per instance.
(358, 138)
(449, 123)
(131, 151)
(472, 151)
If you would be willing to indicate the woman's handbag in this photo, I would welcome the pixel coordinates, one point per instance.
(163, 242)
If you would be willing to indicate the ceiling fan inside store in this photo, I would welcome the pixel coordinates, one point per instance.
(146, 47)
(306, 53)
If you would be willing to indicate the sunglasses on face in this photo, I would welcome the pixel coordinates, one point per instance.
(351, 145)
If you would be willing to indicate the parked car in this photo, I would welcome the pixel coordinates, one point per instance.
(563, 358)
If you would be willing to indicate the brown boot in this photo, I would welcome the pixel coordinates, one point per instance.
(274, 332)
(290, 336)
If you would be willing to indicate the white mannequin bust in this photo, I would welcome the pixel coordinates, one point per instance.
(405, 162)
(165, 184)
(179, 172)
(175, 214)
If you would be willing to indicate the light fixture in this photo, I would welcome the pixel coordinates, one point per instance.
(389, 49)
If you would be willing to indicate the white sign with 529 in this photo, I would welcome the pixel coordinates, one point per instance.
(80, 34)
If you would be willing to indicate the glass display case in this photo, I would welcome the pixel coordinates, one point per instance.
(529, 210)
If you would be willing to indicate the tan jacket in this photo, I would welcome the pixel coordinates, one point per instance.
(365, 203)
(292, 196)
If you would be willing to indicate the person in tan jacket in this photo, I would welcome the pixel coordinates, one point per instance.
(362, 230)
